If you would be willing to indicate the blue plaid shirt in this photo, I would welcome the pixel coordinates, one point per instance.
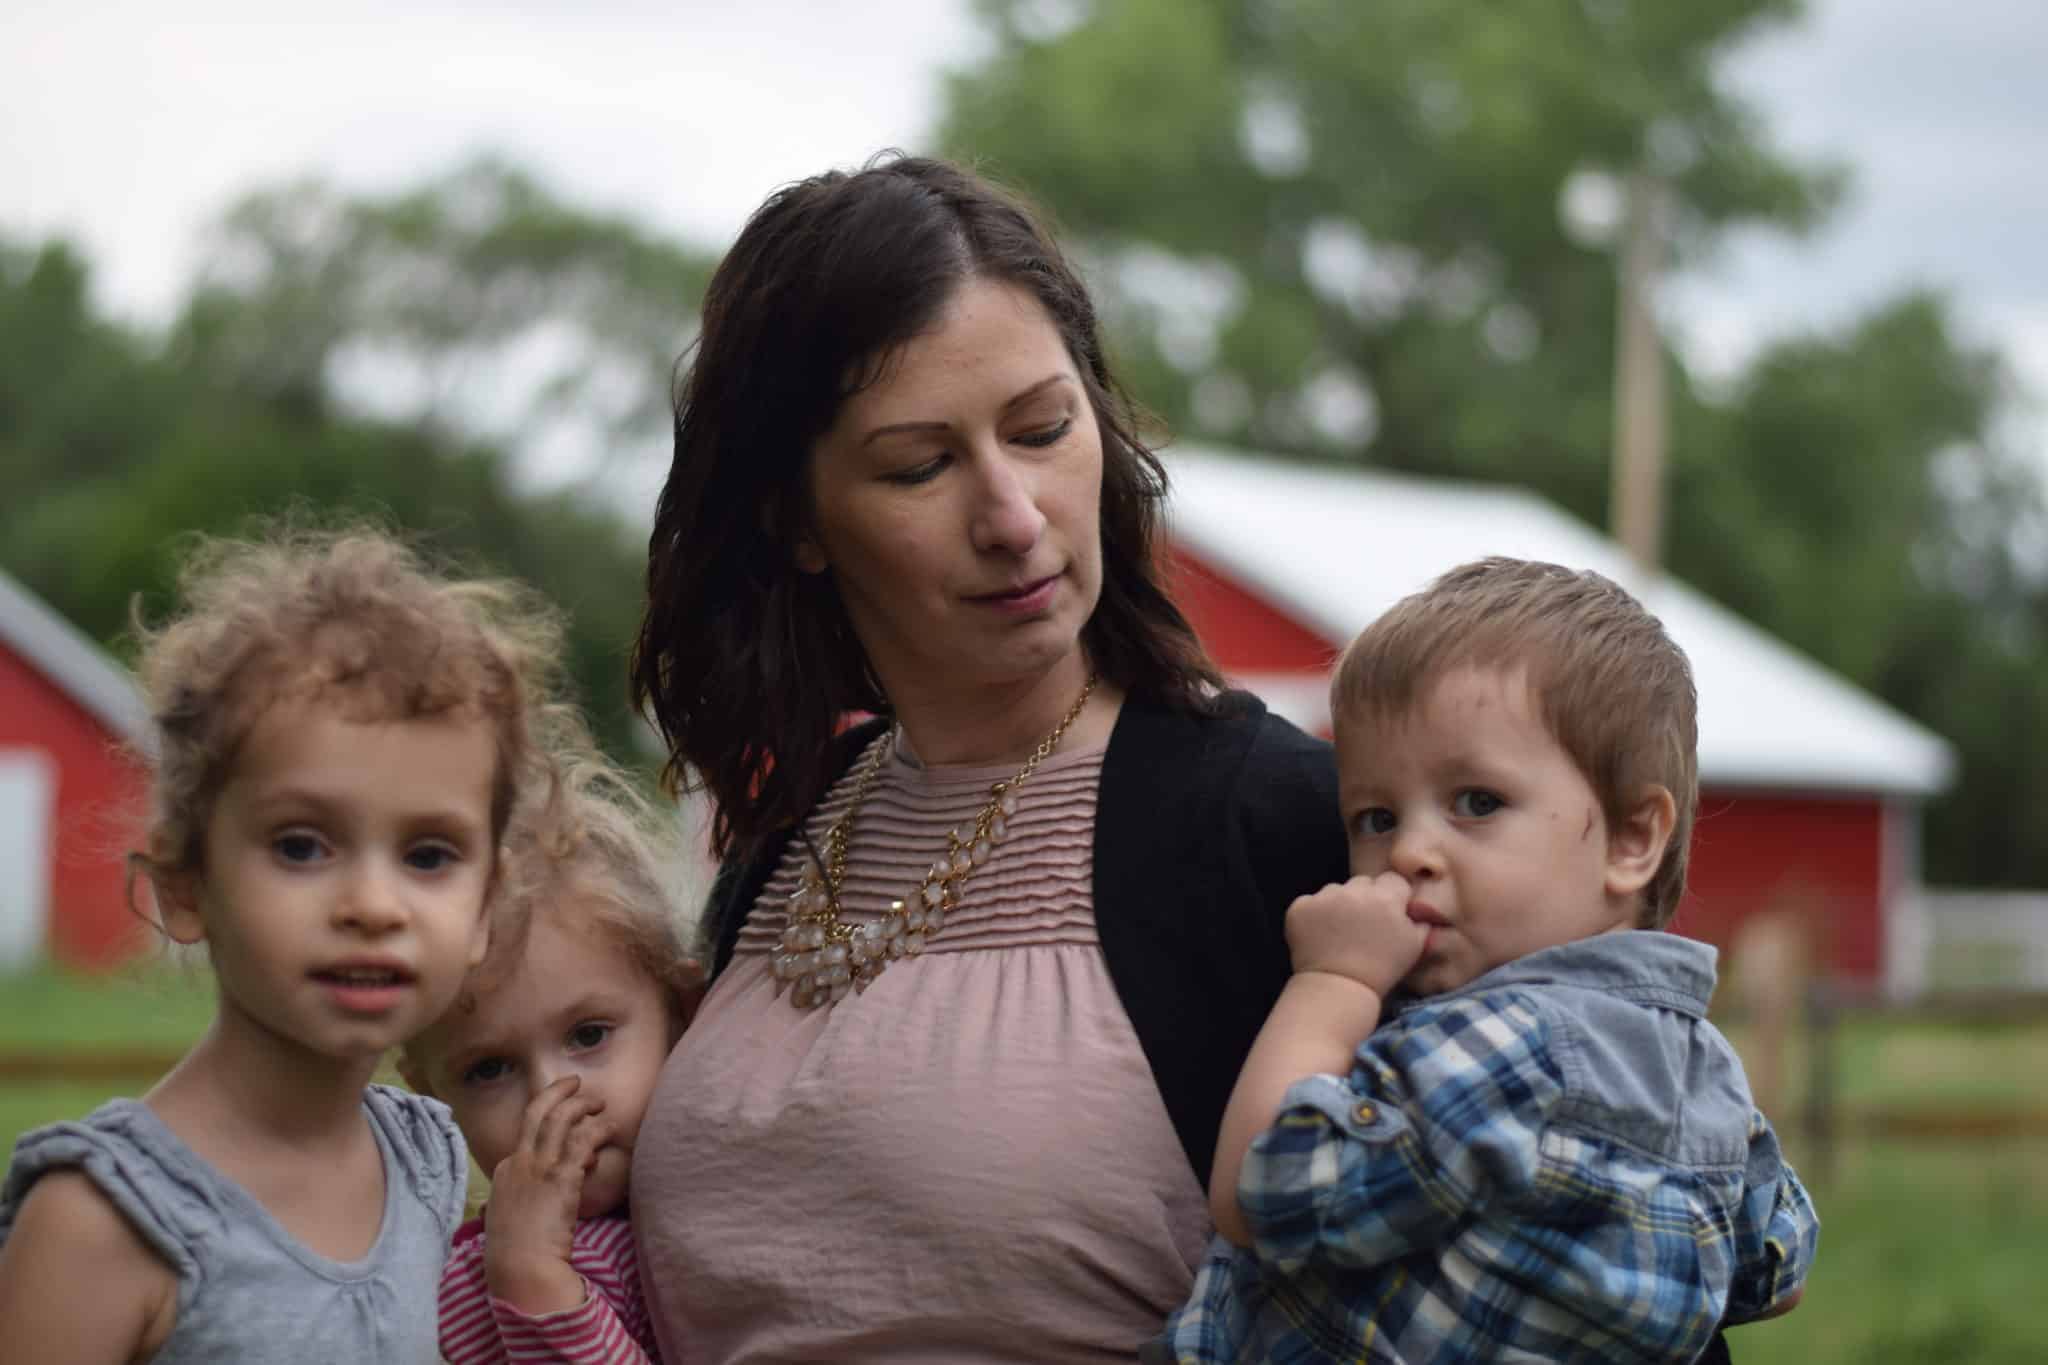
(1559, 1161)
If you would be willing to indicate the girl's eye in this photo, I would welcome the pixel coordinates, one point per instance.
(297, 848)
(1047, 436)
(1377, 820)
(1476, 805)
(589, 1035)
(485, 1071)
(429, 857)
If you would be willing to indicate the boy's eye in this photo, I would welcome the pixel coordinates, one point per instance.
(1476, 805)
(589, 1035)
(1377, 820)
(485, 1071)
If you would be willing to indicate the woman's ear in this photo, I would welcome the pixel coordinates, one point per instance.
(1635, 846)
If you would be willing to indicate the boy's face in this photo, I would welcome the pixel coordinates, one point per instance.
(1499, 835)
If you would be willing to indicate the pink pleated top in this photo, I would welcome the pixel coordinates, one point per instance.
(968, 1162)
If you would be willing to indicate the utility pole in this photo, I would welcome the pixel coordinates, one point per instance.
(1636, 501)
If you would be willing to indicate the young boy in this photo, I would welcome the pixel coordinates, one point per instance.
(1540, 1148)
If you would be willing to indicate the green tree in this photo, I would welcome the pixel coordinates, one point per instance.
(115, 446)
(486, 303)
(1324, 226)
(1372, 232)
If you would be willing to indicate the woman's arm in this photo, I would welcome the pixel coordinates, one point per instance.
(78, 1285)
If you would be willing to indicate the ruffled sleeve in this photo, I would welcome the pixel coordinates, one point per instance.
(427, 1147)
(174, 1209)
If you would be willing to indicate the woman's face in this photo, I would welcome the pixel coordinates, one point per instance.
(957, 501)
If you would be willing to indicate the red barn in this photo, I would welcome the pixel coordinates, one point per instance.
(1810, 788)
(67, 795)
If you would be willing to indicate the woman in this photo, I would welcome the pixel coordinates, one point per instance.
(987, 965)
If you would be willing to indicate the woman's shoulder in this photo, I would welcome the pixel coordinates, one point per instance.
(1233, 731)
(1234, 761)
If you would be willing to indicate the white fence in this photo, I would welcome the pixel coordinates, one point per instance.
(1946, 939)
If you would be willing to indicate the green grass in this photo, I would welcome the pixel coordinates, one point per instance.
(157, 1004)
(158, 1008)
(1929, 1253)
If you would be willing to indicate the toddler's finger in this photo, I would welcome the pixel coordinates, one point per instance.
(541, 1105)
(591, 1132)
(1393, 884)
(553, 1139)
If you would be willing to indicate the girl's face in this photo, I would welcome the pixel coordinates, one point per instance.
(341, 892)
(574, 1005)
(957, 502)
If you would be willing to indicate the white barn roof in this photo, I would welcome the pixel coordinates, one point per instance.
(1336, 547)
(63, 654)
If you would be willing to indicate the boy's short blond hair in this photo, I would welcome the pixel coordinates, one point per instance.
(1612, 687)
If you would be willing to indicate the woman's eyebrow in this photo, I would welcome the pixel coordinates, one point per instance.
(1040, 387)
(901, 428)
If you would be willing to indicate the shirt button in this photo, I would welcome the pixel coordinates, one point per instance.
(1365, 1113)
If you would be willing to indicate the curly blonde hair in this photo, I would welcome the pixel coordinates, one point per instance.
(350, 618)
(588, 850)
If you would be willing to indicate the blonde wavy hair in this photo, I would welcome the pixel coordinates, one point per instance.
(588, 850)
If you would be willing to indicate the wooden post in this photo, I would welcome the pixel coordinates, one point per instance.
(1822, 1019)
(1636, 501)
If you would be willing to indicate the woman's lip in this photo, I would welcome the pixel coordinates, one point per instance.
(1032, 597)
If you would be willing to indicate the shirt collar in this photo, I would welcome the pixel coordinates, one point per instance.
(1648, 966)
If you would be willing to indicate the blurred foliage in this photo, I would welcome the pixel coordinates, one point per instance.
(1378, 233)
(480, 274)
(1383, 233)
(114, 445)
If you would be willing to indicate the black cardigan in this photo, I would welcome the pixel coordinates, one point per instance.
(1206, 828)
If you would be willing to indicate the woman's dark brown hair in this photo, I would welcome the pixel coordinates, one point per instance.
(748, 666)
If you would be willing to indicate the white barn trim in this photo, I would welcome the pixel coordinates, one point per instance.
(1336, 547)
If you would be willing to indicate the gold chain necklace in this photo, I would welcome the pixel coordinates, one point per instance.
(824, 957)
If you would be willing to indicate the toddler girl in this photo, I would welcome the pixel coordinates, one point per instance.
(338, 738)
(548, 1059)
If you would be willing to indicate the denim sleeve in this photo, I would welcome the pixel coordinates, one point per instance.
(1442, 1115)
(1778, 1231)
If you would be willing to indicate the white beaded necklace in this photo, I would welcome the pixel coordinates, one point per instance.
(822, 956)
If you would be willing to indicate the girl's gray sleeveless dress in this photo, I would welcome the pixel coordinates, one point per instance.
(247, 1290)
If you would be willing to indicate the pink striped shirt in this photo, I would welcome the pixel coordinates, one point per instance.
(609, 1328)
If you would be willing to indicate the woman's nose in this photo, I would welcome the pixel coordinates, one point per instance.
(1006, 515)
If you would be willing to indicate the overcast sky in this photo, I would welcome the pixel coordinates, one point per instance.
(127, 125)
